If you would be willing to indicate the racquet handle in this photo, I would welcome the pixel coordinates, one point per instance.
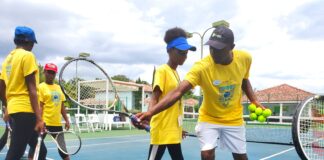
(135, 120)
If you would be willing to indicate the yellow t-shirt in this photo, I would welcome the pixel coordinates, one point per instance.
(17, 65)
(222, 88)
(165, 128)
(52, 97)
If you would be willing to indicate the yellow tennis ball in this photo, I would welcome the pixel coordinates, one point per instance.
(266, 113)
(261, 118)
(252, 107)
(258, 111)
(253, 116)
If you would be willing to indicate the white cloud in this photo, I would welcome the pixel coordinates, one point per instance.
(127, 36)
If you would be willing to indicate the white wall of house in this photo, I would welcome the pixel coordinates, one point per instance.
(126, 98)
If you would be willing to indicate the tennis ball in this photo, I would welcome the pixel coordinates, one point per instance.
(266, 113)
(261, 118)
(252, 107)
(253, 116)
(258, 111)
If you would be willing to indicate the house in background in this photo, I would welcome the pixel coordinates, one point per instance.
(282, 100)
(189, 108)
(147, 96)
(130, 93)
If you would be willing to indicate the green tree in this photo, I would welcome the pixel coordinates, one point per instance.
(41, 73)
(121, 77)
(139, 81)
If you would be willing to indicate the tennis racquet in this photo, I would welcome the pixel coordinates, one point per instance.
(88, 85)
(38, 146)
(66, 141)
(308, 128)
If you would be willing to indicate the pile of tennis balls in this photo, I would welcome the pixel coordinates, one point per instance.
(257, 113)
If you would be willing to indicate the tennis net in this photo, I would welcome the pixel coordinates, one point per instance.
(274, 131)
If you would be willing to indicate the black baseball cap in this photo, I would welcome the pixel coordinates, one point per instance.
(221, 37)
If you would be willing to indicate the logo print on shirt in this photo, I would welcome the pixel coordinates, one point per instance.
(8, 70)
(216, 82)
(226, 90)
(55, 97)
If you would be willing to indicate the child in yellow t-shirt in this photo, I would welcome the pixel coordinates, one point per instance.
(51, 101)
(19, 82)
(166, 132)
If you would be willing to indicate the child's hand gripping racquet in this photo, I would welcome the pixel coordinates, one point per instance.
(66, 141)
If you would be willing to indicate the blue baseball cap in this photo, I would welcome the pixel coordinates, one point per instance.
(25, 33)
(181, 44)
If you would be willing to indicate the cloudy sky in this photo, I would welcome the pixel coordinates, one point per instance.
(285, 38)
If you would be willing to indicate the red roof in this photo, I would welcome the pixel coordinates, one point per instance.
(190, 102)
(283, 92)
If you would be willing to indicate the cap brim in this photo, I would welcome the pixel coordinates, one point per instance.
(216, 44)
(51, 70)
(185, 47)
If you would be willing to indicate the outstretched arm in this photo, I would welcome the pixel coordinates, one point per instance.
(167, 101)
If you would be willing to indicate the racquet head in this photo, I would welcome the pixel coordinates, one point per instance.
(308, 128)
(86, 84)
(67, 142)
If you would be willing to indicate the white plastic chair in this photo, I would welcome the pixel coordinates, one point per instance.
(81, 123)
(111, 121)
(94, 122)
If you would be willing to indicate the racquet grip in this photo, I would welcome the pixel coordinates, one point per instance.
(135, 120)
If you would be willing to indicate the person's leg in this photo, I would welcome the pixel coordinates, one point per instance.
(58, 129)
(237, 156)
(156, 152)
(22, 129)
(208, 135)
(233, 138)
(208, 154)
(175, 151)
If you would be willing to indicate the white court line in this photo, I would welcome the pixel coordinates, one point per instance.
(99, 144)
(111, 137)
(278, 153)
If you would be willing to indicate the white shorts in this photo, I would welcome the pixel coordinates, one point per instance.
(230, 137)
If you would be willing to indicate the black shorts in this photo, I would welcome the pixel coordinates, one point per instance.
(156, 151)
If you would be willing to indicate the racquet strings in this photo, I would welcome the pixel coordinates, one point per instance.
(311, 128)
(68, 142)
(86, 84)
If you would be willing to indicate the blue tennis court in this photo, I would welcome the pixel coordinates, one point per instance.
(136, 147)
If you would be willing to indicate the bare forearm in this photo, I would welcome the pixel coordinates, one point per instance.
(63, 112)
(32, 90)
(172, 97)
(166, 102)
(34, 103)
(247, 88)
(3, 93)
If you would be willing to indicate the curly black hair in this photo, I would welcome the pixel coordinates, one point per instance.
(173, 33)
